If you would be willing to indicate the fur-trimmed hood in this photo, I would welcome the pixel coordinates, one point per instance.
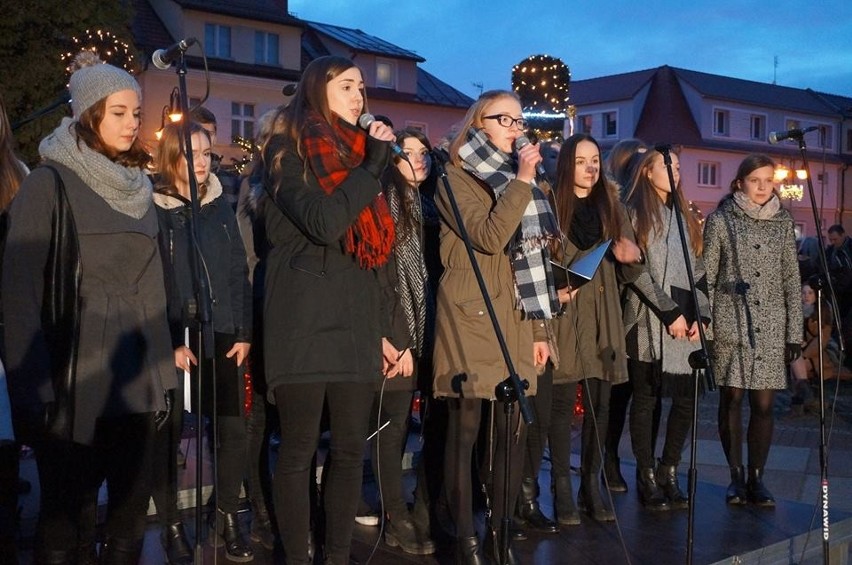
(169, 201)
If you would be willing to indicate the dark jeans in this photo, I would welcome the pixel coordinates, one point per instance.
(300, 408)
(388, 447)
(257, 434)
(553, 411)
(71, 473)
(596, 395)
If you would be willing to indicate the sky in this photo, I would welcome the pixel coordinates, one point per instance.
(471, 42)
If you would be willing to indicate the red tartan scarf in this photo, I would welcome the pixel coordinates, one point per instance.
(370, 237)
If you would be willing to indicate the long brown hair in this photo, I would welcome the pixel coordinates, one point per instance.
(473, 119)
(311, 95)
(643, 199)
(407, 224)
(169, 157)
(86, 130)
(11, 171)
(603, 194)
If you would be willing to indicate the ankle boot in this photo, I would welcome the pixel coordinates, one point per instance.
(667, 481)
(650, 495)
(757, 492)
(226, 532)
(589, 499)
(563, 502)
(736, 493)
(612, 474)
(121, 551)
(401, 532)
(468, 552)
(175, 544)
(494, 551)
(261, 527)
(529, 511)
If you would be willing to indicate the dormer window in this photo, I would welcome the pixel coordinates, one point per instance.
(385, 74)
(265, 48)
(217, 41)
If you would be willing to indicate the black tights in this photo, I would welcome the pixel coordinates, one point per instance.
(463, 427)
(760, 425)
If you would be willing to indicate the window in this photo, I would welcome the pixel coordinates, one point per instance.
(419, 126)
(242, 120)
(708, 174)
(610, 124)
(586, 124)
(721, 122)
(758, 128)
(792, 124)
(824, 136)
(385, 74)
(265, 48)
(217, 41)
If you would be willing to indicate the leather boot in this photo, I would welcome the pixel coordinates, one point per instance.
(468, 552)
(589, 500)
(494, 552)
(757, 492)
(261, 527)
(736, 493)
(401, 532)
(226, 532)
(529, 511)
(563, 502)
(612, 474)
(121, 551)
(667, 481)
(650, 495)
(175, 544)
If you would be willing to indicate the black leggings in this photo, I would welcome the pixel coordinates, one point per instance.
(553, 410)
(760, 425)
(388, 447)
(463, 428)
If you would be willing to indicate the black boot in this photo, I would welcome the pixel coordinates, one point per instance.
(261, 527)
(401, 532)
(563, 502)
(757, 492)
(650, 495)
(174, 542)
(736, 493)
(667, 481)
(468, 552)
(612, 474)
(121, 551)
(494, 551)
(589, 500)
(225, 531)
(529, 512)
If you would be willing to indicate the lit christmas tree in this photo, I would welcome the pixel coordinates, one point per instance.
(542, 82)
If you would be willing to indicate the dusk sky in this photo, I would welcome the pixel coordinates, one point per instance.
(464, 43)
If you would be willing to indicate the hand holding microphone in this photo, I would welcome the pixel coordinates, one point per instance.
(382, 132)
(529, 160)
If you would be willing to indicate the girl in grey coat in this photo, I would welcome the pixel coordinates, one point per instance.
(753, 283)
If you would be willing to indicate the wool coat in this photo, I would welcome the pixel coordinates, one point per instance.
(590, 334)
(467, 358)
(755, 295)
(323, 316)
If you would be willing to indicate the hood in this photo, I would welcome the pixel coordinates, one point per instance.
(169, 202)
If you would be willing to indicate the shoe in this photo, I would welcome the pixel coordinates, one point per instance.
(494, 552)
(403, 534)
(589, 499)
(369, 519)
(175, 544)
(529, 512)
(261, 531)
(736, 493)
(650, 494)
(757, 492)
(611, 474)
(226, 532)
(468, 552)
(667, 481)
(563, 502)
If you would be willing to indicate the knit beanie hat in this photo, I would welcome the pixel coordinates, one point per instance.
(94, 80)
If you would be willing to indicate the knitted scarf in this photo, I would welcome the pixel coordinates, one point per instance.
(528, 250)
(125, 190)
(370, 237)
(757, 211)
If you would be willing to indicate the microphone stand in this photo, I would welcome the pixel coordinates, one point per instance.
(698, 359)
(61, 100)
(510, 390)
(203, 306)
(818, 282)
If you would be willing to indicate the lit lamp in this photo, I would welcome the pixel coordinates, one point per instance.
(174, 106)
(164, 115)
(790, 190)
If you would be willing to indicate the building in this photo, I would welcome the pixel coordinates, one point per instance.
(715, 121)
(254, 48)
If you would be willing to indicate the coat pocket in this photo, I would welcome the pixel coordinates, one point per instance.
(310, 264)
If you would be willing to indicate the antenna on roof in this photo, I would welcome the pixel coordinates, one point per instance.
(775, 71)
(478, 85)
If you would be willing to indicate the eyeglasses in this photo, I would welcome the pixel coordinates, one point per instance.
(507, 121)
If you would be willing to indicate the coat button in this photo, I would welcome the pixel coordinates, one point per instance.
(759, 358)
(757, 246)
(757, 330)
(757, 302)
(480, 313)
(757, 273)
(601, 289)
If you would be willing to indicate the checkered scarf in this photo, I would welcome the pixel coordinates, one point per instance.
(370, 237)
(528, 249)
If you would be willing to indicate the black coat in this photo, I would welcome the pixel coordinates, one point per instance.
(324, 317)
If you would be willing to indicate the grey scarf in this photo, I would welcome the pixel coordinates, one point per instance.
(126, 190)
(757, 211)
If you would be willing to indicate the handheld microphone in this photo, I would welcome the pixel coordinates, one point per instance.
(795, 133)
(523, 141)
(366, 119)
(289, 89)
(663, 147)
(163, 58)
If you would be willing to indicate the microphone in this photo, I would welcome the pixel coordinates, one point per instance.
(163, 58)
(366, 119)
(795, 133)
(523, 141)
(663, 147)
(289, 89)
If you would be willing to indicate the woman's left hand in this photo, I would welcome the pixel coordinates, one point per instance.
(381, 131)
(626, 251)
(240, 350)
(541, 353)
(405, 364)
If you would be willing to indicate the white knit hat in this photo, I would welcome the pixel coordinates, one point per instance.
(94, 80)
